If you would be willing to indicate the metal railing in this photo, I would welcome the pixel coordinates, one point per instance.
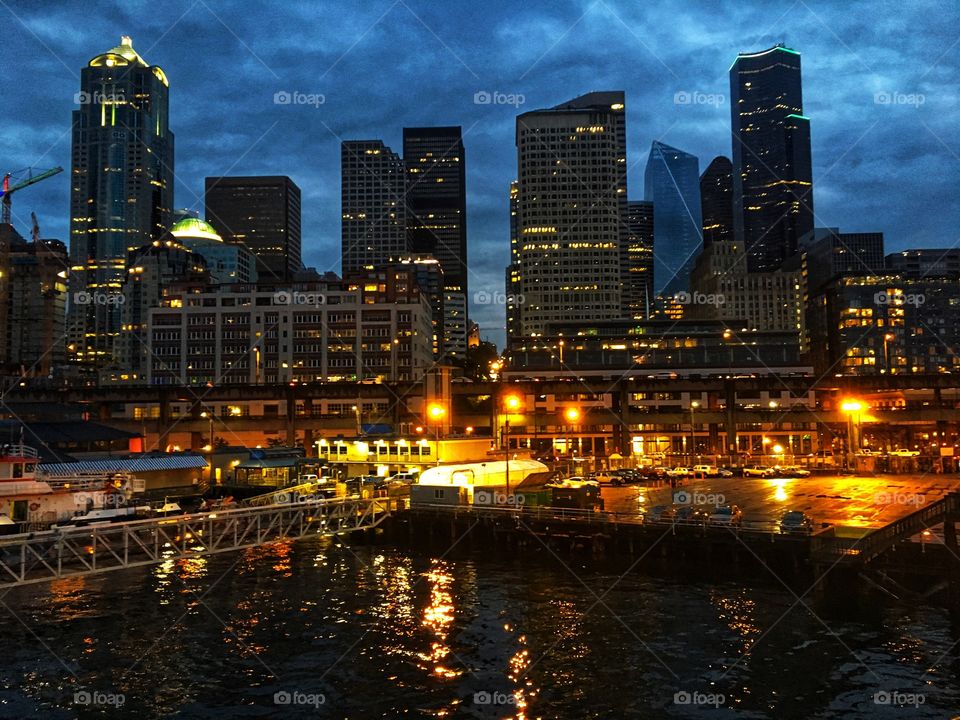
(875, 543)
(53, 554)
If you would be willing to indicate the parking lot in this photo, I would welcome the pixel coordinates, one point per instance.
(850, 501)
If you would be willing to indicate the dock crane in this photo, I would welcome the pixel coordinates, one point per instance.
(9, 187)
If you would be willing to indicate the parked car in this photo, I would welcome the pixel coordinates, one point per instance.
(794, 471)
(708, 470)
(606, 478)
(692, 515)
(724, 473)
(726, 516)
(662, 513)
(796, 522)
(679, 472)
(759, 471)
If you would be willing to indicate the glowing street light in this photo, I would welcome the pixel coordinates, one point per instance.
(436, 411)
(852, 408)
(572, 414)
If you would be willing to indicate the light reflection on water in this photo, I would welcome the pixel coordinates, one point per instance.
(382, 633)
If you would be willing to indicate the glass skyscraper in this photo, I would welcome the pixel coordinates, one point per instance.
(672, 184)
(772, 173)
(121, 191)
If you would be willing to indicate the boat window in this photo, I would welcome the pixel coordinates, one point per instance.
(30, 467)
(18, 470)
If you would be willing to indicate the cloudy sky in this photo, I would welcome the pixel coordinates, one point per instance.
(880, 86)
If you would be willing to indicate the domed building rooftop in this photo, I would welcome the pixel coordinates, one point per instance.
(191, 227)
(123, 55)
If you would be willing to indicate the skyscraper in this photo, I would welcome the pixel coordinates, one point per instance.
(514, 304)
(262, 213)
(373, 210)
(121, 194)
(716, 201)
(437, 218)
(772, 171)
(571, 208)
(637, 260)
(672, 182)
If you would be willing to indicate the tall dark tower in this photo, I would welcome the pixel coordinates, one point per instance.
(121, 194)
(437, 218)
(772, 172)
(638, 295)
(716, 201)
(261, 213)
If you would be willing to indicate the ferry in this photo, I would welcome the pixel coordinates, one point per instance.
(31, 501)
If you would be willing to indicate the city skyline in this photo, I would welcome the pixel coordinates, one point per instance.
(860, 93)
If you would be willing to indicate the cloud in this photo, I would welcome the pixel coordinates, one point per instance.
(383, 64)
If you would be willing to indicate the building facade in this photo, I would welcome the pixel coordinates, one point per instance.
(374, 215)
(636, 261)
(436, 200)
(772, 167)
(672, 184)
(261, 213)
(716, 201)
(571, 212)
(374, 328)
(227, 263)
(121, 194)
(36, 304)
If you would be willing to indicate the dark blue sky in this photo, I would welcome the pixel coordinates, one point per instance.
(880, 86)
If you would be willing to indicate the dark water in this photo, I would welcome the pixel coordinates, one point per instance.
(371, 632)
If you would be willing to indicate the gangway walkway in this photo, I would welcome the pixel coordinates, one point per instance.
(70, 552)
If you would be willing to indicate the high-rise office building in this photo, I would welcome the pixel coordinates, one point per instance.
(511, 281)
(772, 170)
(262, 213)
(121, 194)
(36, 285)
(637, 260)
(571, 208)
(831, 253)
(672, 184)
(227, 263)
(716, 201)
(373, 207)
(437, 218)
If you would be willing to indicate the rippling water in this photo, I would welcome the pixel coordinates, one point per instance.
(320, 629)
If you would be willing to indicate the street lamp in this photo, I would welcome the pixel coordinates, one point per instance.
(209, 446)
(572, 416)
(511, 403)
(694, 404)
(436, 413)
(851, 408)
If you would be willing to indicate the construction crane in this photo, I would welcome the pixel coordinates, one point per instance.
(9, 188)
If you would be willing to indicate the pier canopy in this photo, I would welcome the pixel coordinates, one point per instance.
(488, 474)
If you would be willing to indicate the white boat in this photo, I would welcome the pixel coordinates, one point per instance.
(32, 501)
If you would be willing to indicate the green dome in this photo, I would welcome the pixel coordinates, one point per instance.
(191, 227)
